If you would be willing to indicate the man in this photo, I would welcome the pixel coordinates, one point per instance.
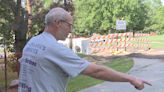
(46, 65)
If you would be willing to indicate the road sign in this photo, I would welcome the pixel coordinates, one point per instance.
(120, 25)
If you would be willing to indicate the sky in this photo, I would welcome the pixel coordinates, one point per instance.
(162, 2)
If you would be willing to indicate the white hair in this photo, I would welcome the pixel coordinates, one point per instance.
(56, 14)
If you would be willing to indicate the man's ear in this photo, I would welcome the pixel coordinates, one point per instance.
(57, 23)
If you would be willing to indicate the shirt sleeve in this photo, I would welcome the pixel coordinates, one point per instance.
(67, 60)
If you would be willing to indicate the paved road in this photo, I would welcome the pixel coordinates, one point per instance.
(149, 69)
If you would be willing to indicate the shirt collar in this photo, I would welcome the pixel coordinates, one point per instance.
(49, 34)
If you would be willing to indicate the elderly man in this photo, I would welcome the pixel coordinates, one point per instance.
(46, 65)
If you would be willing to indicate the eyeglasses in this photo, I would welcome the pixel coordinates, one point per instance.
(70, 24)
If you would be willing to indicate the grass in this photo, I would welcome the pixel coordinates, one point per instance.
(81, 82)
(81, 55)
(156, 41)
(10, 76)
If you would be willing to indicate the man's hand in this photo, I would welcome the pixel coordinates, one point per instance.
(139, 83)
(108, 74)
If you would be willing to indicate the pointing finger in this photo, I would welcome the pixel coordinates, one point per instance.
(148, 83)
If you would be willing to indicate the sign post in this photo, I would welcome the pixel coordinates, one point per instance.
(121, 25)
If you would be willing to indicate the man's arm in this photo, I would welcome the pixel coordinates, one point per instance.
(108, 74)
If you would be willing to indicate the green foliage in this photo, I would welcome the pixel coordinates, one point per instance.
(155, 21)
(158, 20)
(5, 22)
(101, 15)
(39, 9)
(13, 20)
(90, 16)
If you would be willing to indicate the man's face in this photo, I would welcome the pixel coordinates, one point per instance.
(65, 29)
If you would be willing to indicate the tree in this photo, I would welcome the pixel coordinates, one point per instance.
(22, 19)
(101, 15)
(158, 20)
(6, 22)
(155, 23)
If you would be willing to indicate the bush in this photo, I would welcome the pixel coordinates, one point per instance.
(12, 62)
(162, 31)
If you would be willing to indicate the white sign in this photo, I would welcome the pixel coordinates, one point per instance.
(120, 25)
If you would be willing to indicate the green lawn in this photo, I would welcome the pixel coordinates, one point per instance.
(81, 82)
(156, 41)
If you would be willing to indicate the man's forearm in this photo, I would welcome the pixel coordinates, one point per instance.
(109, 74)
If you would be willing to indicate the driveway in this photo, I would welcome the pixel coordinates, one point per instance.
(149, 69)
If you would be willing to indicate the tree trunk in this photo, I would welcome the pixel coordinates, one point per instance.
(29, 16)
(20, 32)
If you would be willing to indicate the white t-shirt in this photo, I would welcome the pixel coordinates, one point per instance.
(47, 65)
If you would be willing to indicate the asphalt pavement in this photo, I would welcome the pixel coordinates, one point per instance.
(148, 69)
